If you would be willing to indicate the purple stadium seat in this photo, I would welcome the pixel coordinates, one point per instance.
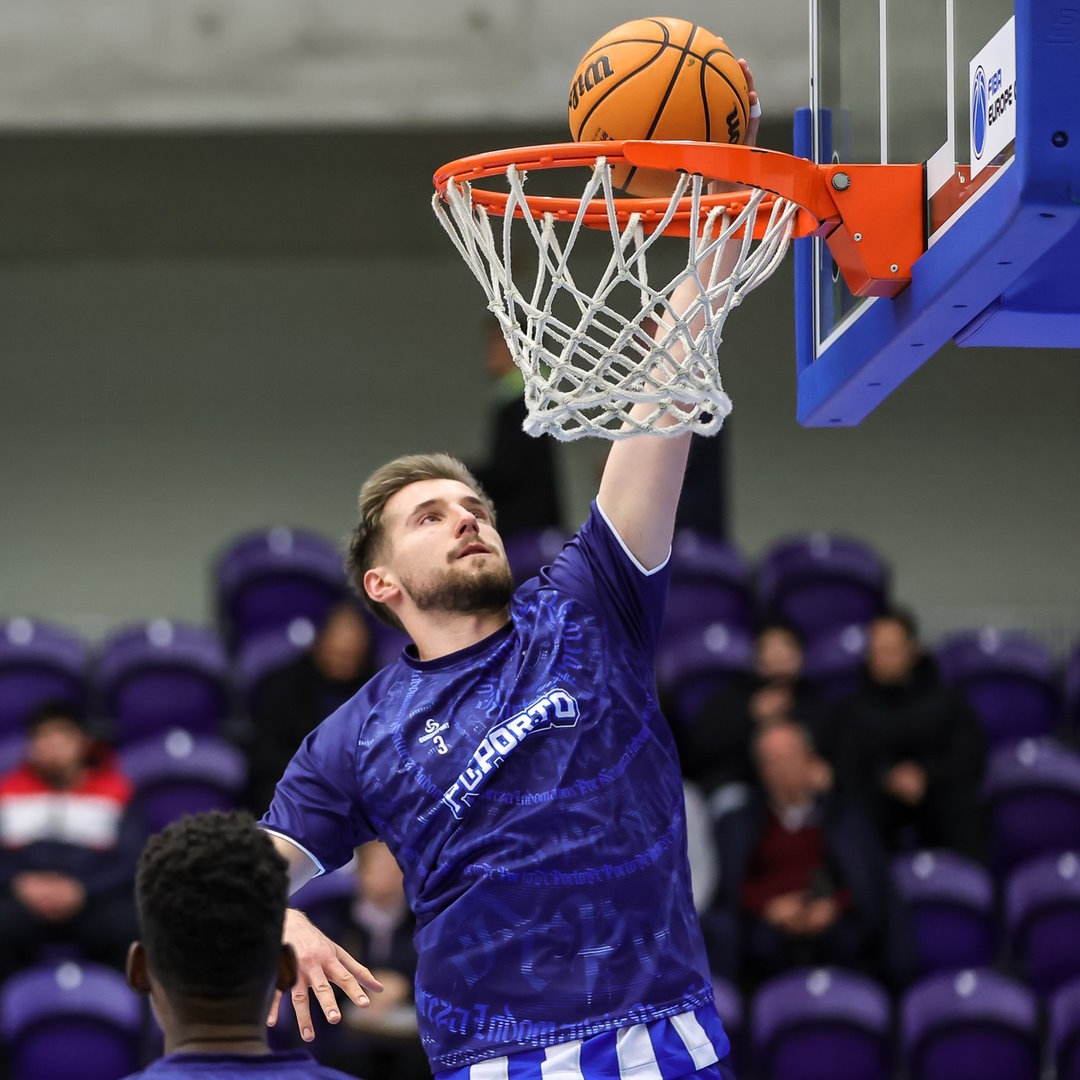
(1009, 680)
(1042, 914)
(159, 675)
(39, 663)
(270, 577)
(833, 660)
(710, 582)
(949, 901)
(970, 1025)
(12, 752)
(825, 1024)
(528, 552)
(1065, 1031)
(819, 582)
(1032, 791)
(179, 773)
(695, 664)
(71, 1020)
(730, 1007)
(1072, 688)
(261, 655)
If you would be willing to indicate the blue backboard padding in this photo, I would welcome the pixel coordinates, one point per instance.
(1040, 310)
(1011, 252)
(984, 252)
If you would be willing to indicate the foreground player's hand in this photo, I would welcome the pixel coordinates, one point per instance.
(321, 965)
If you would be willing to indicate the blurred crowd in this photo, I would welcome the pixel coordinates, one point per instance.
(858, 801)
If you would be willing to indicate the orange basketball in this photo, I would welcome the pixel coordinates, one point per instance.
(658, 79)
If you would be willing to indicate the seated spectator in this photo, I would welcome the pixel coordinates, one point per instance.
(803, 880)
(913, 751)
(296, 699)
(69, 839)
(381, 1039)
(715, 746)
(211, 893)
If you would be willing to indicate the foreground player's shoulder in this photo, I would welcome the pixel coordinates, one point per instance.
(276, 1065)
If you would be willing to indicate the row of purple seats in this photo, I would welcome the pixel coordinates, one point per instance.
(1011, 681)
(149, 677)
(816, 582)
(73, 1019)
(177, 773)
(69, 1019)
(145, 678)
(828, 1024)
(265, 578)
(954, 912)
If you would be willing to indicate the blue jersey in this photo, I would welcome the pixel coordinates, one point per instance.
(283, 1065)
(530, 790)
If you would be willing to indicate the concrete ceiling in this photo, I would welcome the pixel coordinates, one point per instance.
(217, 63)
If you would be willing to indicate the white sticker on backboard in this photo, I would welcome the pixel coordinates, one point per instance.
(992, 98)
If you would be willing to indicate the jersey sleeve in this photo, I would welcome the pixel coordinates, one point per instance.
(597, 568)
(316, 803)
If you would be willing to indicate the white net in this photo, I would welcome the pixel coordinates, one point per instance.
(627, 355)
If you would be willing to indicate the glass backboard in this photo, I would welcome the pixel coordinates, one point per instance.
(945, 83)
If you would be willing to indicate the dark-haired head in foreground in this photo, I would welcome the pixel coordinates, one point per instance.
(211, 893)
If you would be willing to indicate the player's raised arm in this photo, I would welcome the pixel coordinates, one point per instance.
(639, 491)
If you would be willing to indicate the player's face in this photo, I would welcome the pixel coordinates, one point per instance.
(444, 549)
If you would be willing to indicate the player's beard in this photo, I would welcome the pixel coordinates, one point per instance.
(463, 591)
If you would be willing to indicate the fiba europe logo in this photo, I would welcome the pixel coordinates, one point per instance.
(979, 113)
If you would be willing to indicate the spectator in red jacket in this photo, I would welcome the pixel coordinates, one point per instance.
(803, 879)
(69, 842)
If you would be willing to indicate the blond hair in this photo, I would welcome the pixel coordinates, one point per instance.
(366, 545)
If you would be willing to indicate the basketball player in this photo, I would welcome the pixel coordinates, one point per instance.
(518, 766)
(211, 893)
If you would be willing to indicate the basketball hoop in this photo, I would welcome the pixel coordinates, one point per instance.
(589, 354)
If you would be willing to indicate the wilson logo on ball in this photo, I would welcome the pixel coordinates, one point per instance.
(599, 70)
(732, 119)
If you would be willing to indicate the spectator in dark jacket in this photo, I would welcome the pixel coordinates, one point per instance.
(714, 746)
(914, 753)
(296, 699)
(519, 473)
(69, 842)
(803, 880)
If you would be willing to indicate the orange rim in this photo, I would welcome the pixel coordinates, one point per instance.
(570, 155)
(871, 216)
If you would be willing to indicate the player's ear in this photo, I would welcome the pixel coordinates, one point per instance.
(380, 584)
(287, 969)
(138, 976)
